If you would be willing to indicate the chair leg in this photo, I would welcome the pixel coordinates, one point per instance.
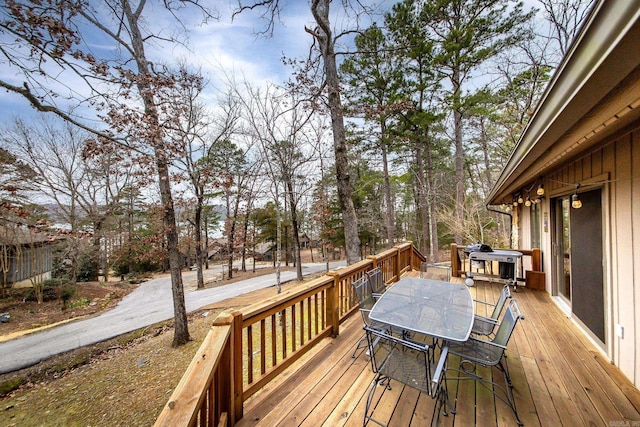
(494, 387)
(362, 343)
(441, 404)
(505, 371)
(378, 380)
(508, 391)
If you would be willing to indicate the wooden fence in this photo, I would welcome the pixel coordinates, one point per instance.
(246, 349)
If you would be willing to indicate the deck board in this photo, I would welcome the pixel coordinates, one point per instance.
(560, 379)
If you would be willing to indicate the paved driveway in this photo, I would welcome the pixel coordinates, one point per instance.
(150, 303)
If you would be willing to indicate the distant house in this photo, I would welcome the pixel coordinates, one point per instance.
(263, 251)
(25, 255)
(580, 158)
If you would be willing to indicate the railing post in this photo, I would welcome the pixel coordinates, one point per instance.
(374, 261)
(455, 261)
(411, 254)
(224, 379)
(237, 400)
(333, 304)
(396, 262)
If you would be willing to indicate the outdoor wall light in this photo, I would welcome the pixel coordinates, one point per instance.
(540, 190)
(527, 202)
(520, 199)
(576, 203)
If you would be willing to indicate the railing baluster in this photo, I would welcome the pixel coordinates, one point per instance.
(274, 341)
(283, 320)
(309, 331)
(315, 308)
(302, 323)
(263, 356)
(250, 353)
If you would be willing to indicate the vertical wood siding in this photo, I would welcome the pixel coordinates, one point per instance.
(619, 157)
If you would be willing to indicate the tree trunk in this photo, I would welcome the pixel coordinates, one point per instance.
(320, 10)
(294, 226)
(459, 155)
(181, 333)
(232, 234)
(198, 241)
(206, 241)
(431, 206)
(387, 187)
(421, 195)
(484, 141)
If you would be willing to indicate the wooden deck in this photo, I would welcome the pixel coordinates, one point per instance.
(560, 379)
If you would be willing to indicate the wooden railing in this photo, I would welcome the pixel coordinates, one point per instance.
(246, 349)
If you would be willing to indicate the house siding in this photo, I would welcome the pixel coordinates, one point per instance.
(28, 263)
(615, 166)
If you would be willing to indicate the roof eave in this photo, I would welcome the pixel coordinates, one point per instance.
(598, 62)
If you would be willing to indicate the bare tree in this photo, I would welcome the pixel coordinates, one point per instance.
(198, 134)
(565, 18)
(84, 190)
(47, 46)
(277, 122)
(325, 41)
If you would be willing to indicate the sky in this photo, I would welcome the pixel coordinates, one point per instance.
(220, 47)
(223, 46)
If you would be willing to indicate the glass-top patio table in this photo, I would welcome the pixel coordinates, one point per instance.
(442, 310)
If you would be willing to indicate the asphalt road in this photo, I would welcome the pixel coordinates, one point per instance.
(150, 303)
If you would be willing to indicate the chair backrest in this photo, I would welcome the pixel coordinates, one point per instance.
(404, 361)
(508, 324)
(436, 271)
(364, 296)
(505, 294)
(376, 280)
(362, 290)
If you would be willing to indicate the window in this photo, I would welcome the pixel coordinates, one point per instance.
(535, 222)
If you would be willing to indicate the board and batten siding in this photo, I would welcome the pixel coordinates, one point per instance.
(615, 166)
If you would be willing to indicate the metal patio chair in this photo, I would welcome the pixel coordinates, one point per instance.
(443, 271)
(485, 326)
(490, 353)
(376, 280)
(362, 289)
(408, 362)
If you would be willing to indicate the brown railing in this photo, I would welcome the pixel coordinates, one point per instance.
(246, 349)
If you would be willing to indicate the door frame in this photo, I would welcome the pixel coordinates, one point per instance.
(598, 182)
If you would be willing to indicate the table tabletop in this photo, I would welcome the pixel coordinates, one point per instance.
(439, 309)
(497, 253)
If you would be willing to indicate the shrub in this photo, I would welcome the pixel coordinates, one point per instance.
(80, 302)
(87, 268)
(10, 385)
(66, 292)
